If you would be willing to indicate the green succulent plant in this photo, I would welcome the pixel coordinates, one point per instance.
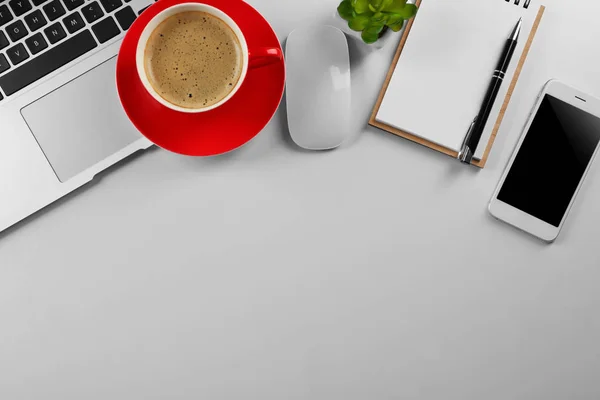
(371, 17)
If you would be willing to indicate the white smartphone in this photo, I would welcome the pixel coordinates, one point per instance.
(550, 162)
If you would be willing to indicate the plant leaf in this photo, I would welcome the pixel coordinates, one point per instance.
(370, 35)
(394, 19)
(409, 11)
(374, 27)
(395, 6)
(379, 18)
(396, 27)
(385, 4)
(345, 10)
(376, 5)
(359, 23)
(361, 6)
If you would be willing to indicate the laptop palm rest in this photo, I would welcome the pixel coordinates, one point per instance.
(81, 123)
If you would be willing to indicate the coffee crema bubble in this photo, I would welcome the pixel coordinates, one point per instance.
(193, 59)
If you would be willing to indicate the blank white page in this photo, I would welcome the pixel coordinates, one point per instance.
(446, 66)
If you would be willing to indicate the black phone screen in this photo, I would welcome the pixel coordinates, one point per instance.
(551, 161)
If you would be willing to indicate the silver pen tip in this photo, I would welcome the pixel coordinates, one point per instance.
(517, 30)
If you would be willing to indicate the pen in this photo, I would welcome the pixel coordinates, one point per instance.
(467, 150)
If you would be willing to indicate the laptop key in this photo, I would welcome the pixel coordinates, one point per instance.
(38, 2)
(16, 30)
(35, 20)
(3, 40)
(125, 17)
(55, 33)
(4, 65)
(20, 7)
(73, 4)
(92, 12)
(106, 29)
(54, 10)
(47, 62)
(73, 22)
(5, 15)
(36, 43)
(111, 5)
(17, 54)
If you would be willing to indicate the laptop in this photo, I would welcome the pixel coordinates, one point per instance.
(61, 120)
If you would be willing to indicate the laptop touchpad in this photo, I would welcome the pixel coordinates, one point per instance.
(81, 123)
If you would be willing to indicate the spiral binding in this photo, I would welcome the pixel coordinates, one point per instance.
(517, 2)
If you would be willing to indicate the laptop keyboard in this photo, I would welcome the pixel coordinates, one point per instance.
(39, 36)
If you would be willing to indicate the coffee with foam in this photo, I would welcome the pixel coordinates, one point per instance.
(193, 59)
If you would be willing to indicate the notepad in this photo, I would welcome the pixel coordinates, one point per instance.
(444, 65)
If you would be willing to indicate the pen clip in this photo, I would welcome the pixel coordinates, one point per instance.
(466, 155)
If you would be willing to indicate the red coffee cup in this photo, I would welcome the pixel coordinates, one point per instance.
(253, 58)
(234, 121)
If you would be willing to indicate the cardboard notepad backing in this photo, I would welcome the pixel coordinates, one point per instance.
(442, 67)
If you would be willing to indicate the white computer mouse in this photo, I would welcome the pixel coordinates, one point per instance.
(318, 87)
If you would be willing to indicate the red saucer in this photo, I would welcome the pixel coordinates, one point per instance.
(212, 132)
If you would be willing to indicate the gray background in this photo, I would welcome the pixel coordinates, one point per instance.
(368, 272)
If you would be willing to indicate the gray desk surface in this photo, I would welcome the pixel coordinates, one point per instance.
(273, 273)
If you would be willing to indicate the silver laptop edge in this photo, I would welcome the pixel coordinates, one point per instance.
(27, 180)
